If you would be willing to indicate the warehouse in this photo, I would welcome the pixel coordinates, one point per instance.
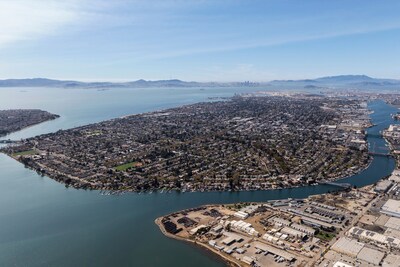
(370, 255)
(241, 215)
(341, 264)
(197, 229)
(391, 260)
(279, 221)
(231, 238)
(348, 246)
(317, 223)
(292, 232)
(270, 249)
(391, 208)
(302, 228)
(383, 186)
(393, 223)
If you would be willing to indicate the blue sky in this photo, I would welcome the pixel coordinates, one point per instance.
(202, 40)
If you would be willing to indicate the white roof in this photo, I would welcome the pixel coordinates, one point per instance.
(391, 206)
(341, 264)
(371, 255)
(288, 256)
(393, 223)
(348, 246)
(391, 261)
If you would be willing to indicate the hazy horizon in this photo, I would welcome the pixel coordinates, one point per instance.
(153, 80)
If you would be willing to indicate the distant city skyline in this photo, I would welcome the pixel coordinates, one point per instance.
(201, 40)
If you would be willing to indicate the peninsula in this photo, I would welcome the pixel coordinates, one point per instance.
(246, 143)
(13, 120)
(358, 227)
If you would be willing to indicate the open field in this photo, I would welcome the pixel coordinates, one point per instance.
(126, 166)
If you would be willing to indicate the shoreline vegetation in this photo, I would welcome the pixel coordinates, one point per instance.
(248, 143)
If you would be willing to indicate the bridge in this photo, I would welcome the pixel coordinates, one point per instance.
(380, 154)
(342, 185)
(373, 135)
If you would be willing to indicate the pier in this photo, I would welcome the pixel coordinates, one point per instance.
(380, 154)
(342, 185)
(374, 135)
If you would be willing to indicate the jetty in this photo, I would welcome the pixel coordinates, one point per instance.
(342, 185)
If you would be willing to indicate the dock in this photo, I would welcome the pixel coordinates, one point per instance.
(342, 185)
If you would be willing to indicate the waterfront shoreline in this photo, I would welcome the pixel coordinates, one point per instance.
(227, 260)
(222, 254)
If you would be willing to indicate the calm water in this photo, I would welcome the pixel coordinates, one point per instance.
(44, 224)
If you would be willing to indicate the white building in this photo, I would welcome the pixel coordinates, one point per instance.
(391, 208)
(241, 215)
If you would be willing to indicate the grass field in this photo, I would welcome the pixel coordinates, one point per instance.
(126, 166)
(25, 153)
(325, 236)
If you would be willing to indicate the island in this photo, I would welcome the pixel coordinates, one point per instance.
(13, 120)
(356, 227)
(248, 142)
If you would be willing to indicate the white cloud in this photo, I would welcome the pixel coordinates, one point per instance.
(23, 20)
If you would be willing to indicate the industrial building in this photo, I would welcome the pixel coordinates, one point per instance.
(241, 215)
(370, 255)
(391, 208)
(393, 223)
(383, 186)
(348, 246)
(302, 228)
(341, 264)
(293, 232)
(391, 260)
(270, 249)
(280, 222)
(371, 236)
(197, 229)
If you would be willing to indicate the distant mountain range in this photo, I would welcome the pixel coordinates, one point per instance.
(353, 81)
